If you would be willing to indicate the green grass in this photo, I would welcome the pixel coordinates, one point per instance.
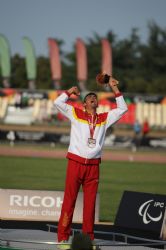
(115, 177)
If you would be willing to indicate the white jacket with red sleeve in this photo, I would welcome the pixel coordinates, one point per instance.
(78, 149)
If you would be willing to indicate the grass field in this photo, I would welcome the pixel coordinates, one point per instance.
(115, 177)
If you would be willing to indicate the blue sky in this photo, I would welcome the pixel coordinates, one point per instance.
(70, 19)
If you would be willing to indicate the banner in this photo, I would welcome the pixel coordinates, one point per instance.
(30, 58)
(5, 62)
(130, 116)
(37, 205)
(54, 59)
(106, 57)
(81, 57)
(142, 211)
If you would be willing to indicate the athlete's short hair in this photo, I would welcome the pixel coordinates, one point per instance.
(90, 93)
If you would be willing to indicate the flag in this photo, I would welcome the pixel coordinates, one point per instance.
(81, 56)
(54, 59)
(30, 58)
(5, 62)
(106, 57)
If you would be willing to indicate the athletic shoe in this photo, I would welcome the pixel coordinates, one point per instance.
(94, 246)
(64, 245)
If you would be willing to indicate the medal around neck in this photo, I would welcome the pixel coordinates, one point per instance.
(91, 142)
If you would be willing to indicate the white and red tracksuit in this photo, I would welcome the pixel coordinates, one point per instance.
(83, 162)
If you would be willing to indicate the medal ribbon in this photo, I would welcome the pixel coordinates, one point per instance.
(92, 121)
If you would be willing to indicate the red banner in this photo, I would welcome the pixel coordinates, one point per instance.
(129, 117)
(106, 57)
(54, 59)
(81, 56)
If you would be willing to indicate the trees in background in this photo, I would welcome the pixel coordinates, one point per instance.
(140, 67)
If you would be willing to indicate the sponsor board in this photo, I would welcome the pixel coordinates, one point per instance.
(143, 211)
(36, 205)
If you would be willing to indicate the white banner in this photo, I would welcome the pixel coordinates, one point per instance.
(36, 205)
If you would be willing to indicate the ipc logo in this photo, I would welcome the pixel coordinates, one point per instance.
(144, 211)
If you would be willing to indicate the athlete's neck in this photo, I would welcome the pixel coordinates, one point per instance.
(91, 111)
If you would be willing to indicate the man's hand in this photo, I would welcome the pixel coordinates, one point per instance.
(113, 84)
(74, 90)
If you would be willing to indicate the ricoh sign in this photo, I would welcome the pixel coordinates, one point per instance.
(35, 201)
(37, 205)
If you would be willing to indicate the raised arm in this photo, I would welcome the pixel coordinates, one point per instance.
(61, 104)
(115, 114)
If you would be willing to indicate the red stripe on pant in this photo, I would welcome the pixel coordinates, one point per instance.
(88, 176)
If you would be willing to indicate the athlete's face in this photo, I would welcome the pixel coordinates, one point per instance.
(91, 102)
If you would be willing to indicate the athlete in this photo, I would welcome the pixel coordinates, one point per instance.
(87, 136)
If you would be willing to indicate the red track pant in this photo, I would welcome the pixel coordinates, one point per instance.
(88, 176)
